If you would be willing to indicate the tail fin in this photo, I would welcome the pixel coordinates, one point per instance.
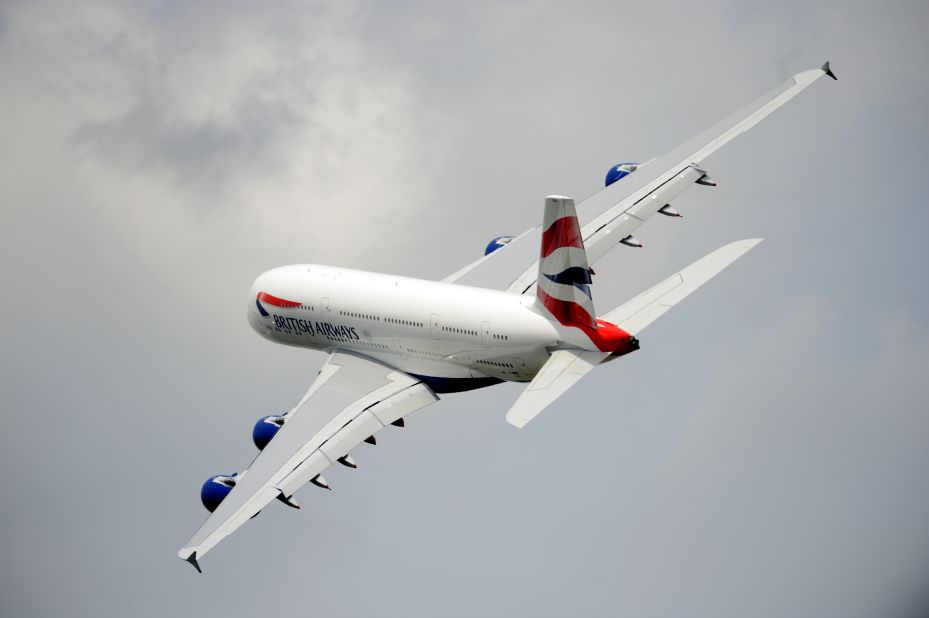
(563, 287)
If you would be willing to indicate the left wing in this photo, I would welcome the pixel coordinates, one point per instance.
(352, 398)
(616, 211)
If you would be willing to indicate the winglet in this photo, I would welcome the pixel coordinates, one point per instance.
(192, 559)
(828, 71)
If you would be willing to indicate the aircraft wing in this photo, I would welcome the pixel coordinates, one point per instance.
(352, 398)
(615, 212)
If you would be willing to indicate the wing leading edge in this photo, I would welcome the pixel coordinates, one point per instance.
(352, 398)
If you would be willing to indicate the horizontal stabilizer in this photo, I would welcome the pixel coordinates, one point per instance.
(647, 307)
(562, 371)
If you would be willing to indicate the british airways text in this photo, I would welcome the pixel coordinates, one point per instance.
(325, 329)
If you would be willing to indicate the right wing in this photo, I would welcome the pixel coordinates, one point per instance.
(616, 211)
(352, 398)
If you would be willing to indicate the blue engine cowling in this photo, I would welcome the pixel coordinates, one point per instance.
(497, 243)
(618, 171)
(215, 490)
(266, 428)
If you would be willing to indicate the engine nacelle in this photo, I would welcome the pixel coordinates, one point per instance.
(618, 171)
(266, 428)
(497, 243)
(215, 490)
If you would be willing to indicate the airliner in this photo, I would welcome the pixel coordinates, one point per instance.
(524, 312)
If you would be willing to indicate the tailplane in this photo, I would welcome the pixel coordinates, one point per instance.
(566, 367)
(650, 305)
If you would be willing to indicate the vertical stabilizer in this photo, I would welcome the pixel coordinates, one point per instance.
(563, 287)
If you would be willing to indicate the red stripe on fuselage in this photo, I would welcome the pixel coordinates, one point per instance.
(564, 232)
(274, 300)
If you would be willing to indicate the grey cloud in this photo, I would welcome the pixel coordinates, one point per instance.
(763, 454)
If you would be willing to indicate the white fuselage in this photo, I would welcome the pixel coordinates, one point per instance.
(455, 337)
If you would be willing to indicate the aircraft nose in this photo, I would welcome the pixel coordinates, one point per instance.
(263, 284)
(278, 287)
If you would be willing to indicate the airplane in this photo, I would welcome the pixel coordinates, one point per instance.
(524, 312)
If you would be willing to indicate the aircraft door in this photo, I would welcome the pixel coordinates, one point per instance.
(434, 325)
(324, 310)
(485, 334)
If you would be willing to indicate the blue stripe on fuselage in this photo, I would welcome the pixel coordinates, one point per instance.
(456, 385)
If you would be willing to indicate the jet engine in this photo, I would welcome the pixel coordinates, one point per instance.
(266, 428)
(215, 490)
(497, 243)
(618, 171)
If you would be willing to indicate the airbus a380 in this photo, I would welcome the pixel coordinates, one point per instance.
(524, 312)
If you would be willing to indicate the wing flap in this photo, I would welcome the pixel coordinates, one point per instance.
(366, 424)
(350, 436)
(308, 469)
(403, 403)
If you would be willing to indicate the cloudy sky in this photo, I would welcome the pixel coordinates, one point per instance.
(764, 454)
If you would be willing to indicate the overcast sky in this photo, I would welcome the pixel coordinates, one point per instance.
(764, 454)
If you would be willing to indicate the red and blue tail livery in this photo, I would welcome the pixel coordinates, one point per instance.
(563, 285)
